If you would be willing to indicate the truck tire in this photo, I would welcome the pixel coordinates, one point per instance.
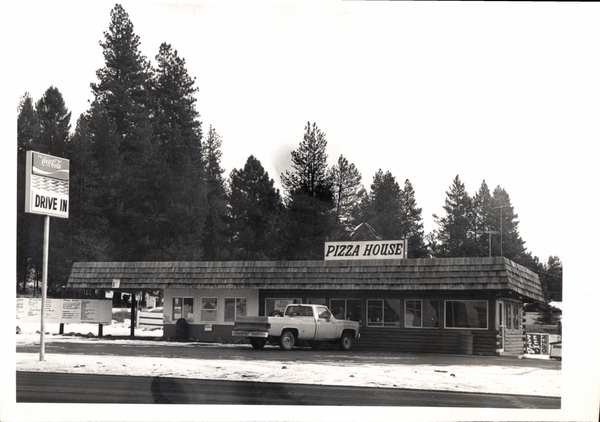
(287, 341)
(315, 345)
(345, 342)
(258, 343)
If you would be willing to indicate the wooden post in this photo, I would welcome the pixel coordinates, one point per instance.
(133, 305)
(99, 330)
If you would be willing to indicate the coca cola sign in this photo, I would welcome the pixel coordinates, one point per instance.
(47, 185)
(49, 166)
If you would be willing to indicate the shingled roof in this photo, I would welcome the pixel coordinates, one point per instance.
(495, 273)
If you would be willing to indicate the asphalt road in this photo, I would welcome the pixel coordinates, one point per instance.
(246, 352)
(46, 387)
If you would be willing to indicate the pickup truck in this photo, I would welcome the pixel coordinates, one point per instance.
(312, 323)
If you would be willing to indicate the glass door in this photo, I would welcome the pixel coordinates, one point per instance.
(501, 324)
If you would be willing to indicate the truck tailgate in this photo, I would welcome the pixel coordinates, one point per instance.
(251, 326)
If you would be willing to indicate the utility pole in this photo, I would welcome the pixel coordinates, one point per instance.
(501, 219)
(490, 233)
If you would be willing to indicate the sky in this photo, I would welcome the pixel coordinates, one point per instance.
(505, 93)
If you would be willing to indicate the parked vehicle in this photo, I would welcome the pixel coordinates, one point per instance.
(313, 323)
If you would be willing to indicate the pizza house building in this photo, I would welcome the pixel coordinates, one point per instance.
(438, 305)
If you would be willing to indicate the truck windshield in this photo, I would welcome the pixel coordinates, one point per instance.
(305, 311)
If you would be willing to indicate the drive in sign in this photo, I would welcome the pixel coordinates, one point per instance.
(47, 185)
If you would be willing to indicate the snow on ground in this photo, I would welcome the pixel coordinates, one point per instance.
(467, 378)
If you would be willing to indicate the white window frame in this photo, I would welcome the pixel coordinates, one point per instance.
(487, 314)
(235, 308)
(183, 298)
(383, 324)
(214, 310)
(422, 313)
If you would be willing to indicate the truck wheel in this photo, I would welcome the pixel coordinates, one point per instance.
(258, 343)
(345, 342)
(315, 345)
(287, 341)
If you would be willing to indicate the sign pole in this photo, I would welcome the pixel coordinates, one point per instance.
(44, 286)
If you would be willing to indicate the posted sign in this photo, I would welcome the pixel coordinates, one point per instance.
(47, 185)
(371, 249)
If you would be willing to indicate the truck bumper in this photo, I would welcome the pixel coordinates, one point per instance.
(261, 334)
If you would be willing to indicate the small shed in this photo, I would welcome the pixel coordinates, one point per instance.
(437, 305)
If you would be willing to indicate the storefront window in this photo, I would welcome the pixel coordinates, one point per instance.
(347, 309)
(234, 307)
(467, 314)
(183, 307)
(272, 305)
(421, 313)
(316, 301)
(383, 313)
(209, 309)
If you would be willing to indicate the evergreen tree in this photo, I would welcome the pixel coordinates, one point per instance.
(411, 223)
(551, 276)
(29, 227)
(182, 209)
(255, 209)
(456, 236)
(383, 208)
(55, 123)
(347, 188)
(484, 222)
(310, 219)
(215, 236)
(511, 245)
(123, 107)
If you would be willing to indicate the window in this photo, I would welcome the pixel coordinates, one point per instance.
(509, 321)
(183, 307)
(421, 313)
(467, 314)
(323, 312)
(272, 305)
(316, 301)
(234, 307)
(209, 309)
(347, 309)
(383, 313)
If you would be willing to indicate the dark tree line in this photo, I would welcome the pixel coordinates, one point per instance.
(146, 183)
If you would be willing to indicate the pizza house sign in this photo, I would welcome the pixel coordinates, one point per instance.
(47, 185)
(371, 249)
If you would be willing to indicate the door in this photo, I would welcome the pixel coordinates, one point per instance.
(501, 324)
(326, 325)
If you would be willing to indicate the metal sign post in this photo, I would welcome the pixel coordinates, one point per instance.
(46, 193)
(44, 286)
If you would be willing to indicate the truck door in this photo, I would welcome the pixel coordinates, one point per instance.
(326, 325)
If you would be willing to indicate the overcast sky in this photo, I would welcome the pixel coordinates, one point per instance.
(504, 93)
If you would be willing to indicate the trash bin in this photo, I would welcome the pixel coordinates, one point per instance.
(465, 344)
(182, 329)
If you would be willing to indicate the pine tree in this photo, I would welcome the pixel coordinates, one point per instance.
(347, 187)
(309, 162)
(29, 227)
(455, 237)
(55, 122)
(411, 223)
(255, 209)
(182, 209)
(120, 117)
(215, 237)
(511, 245)
(383, 208)
(484, 224)
(310, 219)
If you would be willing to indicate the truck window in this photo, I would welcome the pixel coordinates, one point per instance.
(323, 313)
(299, 311)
